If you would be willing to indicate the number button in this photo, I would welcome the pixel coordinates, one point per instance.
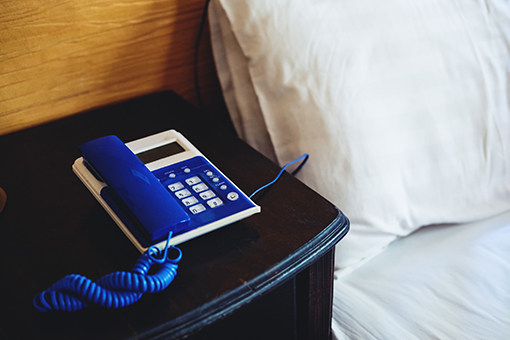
(200, 187)
(197, 209)
(183, 193)
(193, 180)
(175, 186)
(215, 202)
(207, 194)
(233, 196)
(189, 201)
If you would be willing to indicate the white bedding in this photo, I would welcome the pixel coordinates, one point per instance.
(442, 282)
(402, 105)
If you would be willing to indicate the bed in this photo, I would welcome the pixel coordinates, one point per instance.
(404, 109)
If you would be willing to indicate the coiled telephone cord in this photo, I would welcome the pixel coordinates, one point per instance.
(115, 290)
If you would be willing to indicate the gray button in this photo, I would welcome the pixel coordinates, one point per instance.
(215, 202)
(183, 193)
(200, 187)
(175, 186)
(197, 208)
(189, 201)
(233, 196)
(207, 194)
(193, 180)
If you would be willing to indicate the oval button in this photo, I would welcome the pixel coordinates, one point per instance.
(233, 196)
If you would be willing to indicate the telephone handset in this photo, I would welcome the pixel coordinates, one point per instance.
(160, 184)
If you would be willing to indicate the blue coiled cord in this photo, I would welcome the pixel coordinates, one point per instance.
(115, 290)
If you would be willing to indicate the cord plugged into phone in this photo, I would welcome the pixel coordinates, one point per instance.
(161, 191)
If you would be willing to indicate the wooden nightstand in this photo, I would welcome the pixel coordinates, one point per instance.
(268, 276)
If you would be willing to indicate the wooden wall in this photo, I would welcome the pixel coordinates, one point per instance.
(61, 57)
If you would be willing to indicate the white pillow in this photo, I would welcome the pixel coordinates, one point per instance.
(403, 106)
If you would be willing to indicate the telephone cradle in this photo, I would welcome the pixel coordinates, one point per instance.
(160, 184)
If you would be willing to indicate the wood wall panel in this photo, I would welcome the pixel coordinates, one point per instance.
(59, 58)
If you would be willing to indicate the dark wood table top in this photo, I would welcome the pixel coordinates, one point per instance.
(52, 226)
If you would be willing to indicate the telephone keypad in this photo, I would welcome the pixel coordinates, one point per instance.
(197, 189)
(203, 190)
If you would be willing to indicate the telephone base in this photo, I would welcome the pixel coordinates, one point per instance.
(95, 186)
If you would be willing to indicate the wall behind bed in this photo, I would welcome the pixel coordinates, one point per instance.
(58, 58)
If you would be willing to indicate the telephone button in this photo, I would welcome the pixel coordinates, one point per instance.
(175, 186)
(193, 180)
(197, 208)
(209, 173)
(200, 187)
(187, 170)
(233, 196)
(189, 201)
(183, 193)
(207, 194)
(215, 202)
(223, 187)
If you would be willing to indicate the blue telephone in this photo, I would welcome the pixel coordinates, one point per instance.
(161, 191)
(160, 184)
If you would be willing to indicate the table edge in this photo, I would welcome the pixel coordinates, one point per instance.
(228, 303)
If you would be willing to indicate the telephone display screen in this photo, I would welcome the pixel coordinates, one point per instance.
(160, 152)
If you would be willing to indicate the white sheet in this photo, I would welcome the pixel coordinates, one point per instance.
(438, 283)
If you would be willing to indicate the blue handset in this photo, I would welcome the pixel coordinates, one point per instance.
(150, 204)
(160, 184)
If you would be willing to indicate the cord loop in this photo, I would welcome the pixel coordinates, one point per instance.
(115, 290)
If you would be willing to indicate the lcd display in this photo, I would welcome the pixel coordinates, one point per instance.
(160, 152)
